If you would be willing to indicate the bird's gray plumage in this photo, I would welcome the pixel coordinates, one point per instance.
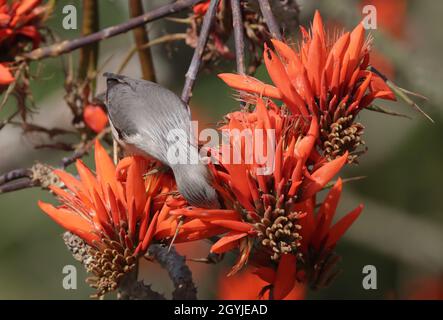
(142, 115)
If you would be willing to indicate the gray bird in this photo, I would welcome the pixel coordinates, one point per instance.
(143, 117)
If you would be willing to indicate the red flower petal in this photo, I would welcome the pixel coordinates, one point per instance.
(70, 221)
(233, 225)
(26, 6)
(322, 176)
(250, 84)
(339, 229)
(95, 118)
(207, 214)
(285, 277)
(266, 274)
(135, 188)
(150, 233)
(227, 242)
(280, 78)
(105, 168)
(6, 76)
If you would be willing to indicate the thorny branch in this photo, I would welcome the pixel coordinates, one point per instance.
(178, 271)
(130, 288)
(198, 53)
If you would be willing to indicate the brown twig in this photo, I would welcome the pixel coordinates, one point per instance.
(90, 24)
(178, 271)
(141, 37)
(24, 178)
(270, 20)
(239, 36)
(198, 52)
(71, 45)
(16, 185)
(14, 175)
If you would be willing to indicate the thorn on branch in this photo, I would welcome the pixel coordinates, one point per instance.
(132, 289)
(178, 271)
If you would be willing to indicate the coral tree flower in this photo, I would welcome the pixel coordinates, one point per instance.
(95, 117)
(265, 213)
(19, 31)
(330, 79)
(115, 211)
(6, 76)
(20, 19)
(246, 285)
(201, 8)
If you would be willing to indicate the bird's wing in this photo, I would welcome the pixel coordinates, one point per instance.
(143, 113)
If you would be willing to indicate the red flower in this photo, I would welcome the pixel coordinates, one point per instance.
(316, 260)
(95, 117)
(248, 286)
(425, 288)
(392, 15)
(19, 26)
(6, 76)
(330, 80)
(114, 211)
(20, 18)
(201, 8)
(263, 213)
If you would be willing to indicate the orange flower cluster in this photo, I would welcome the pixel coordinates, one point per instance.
(19, 30)
(115, 212)
(325, 77)
(270, 217)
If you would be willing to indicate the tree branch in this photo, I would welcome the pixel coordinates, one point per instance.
(14, 175)
(198, 52)
(141, 37)
(130, 288)
(270, 20)
(16, 185)
(40, 174)
(178, 271)
(239, 36)
(90, 24)
(70, 45)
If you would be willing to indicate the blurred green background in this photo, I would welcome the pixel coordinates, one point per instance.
(401, 229)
